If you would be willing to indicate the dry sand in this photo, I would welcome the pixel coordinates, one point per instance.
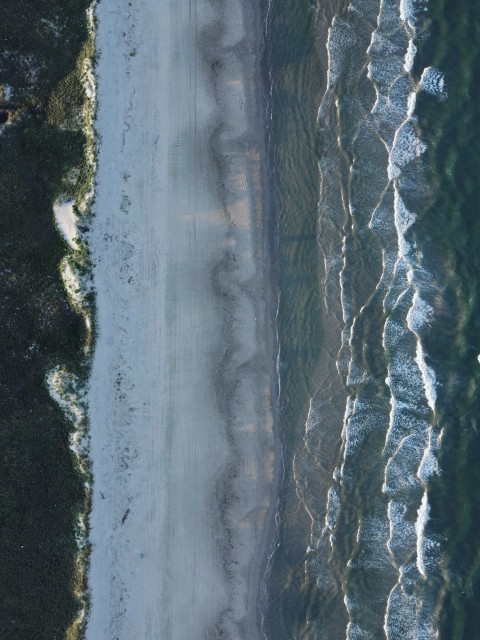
(181, 389)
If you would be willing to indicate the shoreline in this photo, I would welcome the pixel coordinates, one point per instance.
(271, 275)
(184, 364)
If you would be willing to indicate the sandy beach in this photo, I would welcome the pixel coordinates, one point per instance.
(182, 388)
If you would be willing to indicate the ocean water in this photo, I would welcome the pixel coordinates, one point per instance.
(375, 158)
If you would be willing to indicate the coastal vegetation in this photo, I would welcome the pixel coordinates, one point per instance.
(46, 152)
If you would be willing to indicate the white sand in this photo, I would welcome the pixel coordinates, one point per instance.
(180, 393)
(66, 222)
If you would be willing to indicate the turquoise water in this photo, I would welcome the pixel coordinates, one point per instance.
(374, 153)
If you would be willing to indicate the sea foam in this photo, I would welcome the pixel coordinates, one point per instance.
(392, 541)
(433, 82)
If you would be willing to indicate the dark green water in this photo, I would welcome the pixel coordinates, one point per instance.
(378, 250)
(451, 231)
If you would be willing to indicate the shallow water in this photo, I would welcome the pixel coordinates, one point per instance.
(374, 159)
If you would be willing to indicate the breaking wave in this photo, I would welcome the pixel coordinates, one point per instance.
(371, 537)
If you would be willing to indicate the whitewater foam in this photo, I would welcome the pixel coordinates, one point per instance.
(428, 377)
(419, 314)
(396, 429)
(406, 147)
(432, 81)
(423, 516)
(410, 56)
